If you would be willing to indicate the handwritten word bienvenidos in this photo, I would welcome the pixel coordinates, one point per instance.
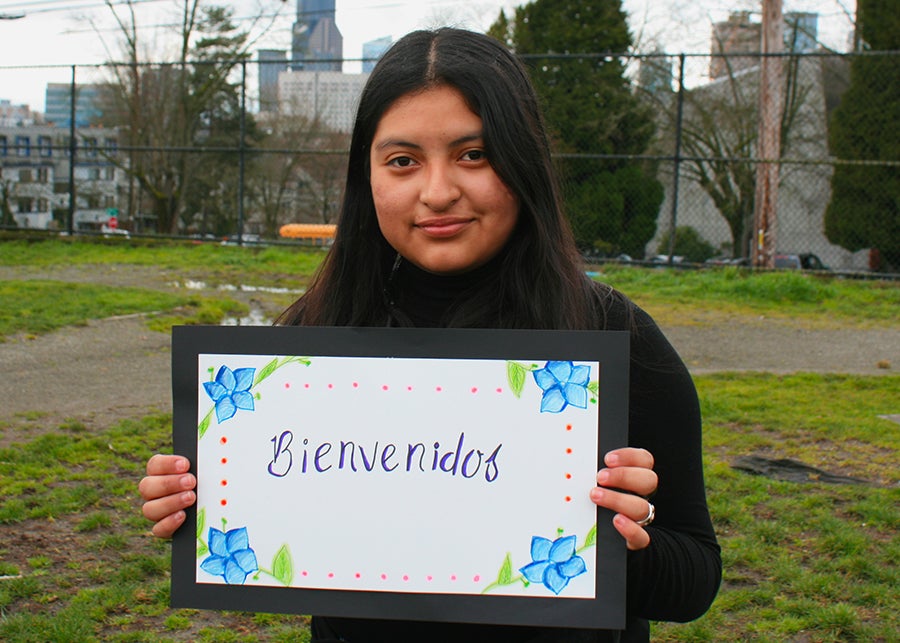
(355, 457)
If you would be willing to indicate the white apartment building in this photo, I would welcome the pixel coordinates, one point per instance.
(35, 176)
(331, 97)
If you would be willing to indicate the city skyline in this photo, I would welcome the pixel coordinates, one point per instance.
(55, 40)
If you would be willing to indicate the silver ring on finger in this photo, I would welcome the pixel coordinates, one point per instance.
(651, 514)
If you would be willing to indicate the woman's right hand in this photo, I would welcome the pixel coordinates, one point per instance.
(167, 491)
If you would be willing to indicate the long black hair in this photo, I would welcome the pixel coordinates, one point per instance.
(539, 281)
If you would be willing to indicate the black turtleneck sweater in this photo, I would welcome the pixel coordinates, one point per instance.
(677, 576)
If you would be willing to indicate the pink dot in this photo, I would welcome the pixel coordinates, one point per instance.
(474, 389)
(330, 386)
(453, 577)
(306, 385)
(439, 389)
(358, 575)
(405, 577)
(287, 385)
(409, 388)
(499, 390)
(429, 578)
(384, 387)
(355, 384)
(384, 577)
(477, 579)
(304, 573)
(330, 574)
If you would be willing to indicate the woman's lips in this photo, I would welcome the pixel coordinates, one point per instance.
(444, 227)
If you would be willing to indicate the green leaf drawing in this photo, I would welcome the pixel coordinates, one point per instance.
(265, 371)
(506, 569)
(201, 522)
(516, 374)
(204, 424)
(594, 390)
(283, 566)
(202, 548)
(591, 539)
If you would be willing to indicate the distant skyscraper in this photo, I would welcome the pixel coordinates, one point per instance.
(737, 35)
(316, 37)
(740, 35)
(89, 103)
(372, 51)
(271, 63)
(801, 31)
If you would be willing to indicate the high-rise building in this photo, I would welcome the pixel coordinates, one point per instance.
(735, 36)
(327, 97)
(372, 51)
(740, 35)
(271, 63)
(89, 104)
(801, 31)
(316, 37)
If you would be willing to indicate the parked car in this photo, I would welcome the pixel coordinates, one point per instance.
(801, 261)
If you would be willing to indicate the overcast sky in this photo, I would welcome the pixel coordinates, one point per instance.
(60, 33)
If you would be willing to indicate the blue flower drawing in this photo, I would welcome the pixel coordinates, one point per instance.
(230, 556)
(231, 391)
(563, 384)
(555, 563)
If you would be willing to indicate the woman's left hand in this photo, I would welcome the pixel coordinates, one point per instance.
(623, 487)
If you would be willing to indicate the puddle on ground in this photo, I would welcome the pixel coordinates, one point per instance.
(254, 318)
(202, 285)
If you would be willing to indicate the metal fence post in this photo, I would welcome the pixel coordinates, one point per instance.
(676, 168)
(73, 147)
(241, 153)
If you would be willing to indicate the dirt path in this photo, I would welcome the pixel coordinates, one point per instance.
(116, 368)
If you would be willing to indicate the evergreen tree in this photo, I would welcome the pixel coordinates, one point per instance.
(590, 110)
(865, 202)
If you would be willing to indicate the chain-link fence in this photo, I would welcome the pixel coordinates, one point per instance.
(659, 159)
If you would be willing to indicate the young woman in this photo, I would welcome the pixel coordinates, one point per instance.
(451, 218)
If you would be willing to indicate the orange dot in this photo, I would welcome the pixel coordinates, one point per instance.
(568, 450)
(568, 427)
(568, 476)
(224, 483)
(224, 440)
(223, 502)
(568, 498)
(224, 460)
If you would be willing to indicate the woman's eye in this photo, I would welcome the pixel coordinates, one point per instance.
(474, 155)
(401, 161)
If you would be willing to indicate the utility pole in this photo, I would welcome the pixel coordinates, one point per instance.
(771, 90)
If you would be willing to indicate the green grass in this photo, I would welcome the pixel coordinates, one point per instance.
(803, 562)
(806, 561)
(34, 307)
(709, 296)
(288, 266)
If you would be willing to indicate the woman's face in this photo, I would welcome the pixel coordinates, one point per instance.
(438, 200)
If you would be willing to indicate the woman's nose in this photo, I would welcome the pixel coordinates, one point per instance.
(440, 190)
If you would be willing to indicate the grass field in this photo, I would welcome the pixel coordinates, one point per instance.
(803, 561)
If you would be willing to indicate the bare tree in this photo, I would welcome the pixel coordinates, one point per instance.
(166, 109)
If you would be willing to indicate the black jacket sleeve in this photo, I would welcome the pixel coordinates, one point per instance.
(676, 578)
